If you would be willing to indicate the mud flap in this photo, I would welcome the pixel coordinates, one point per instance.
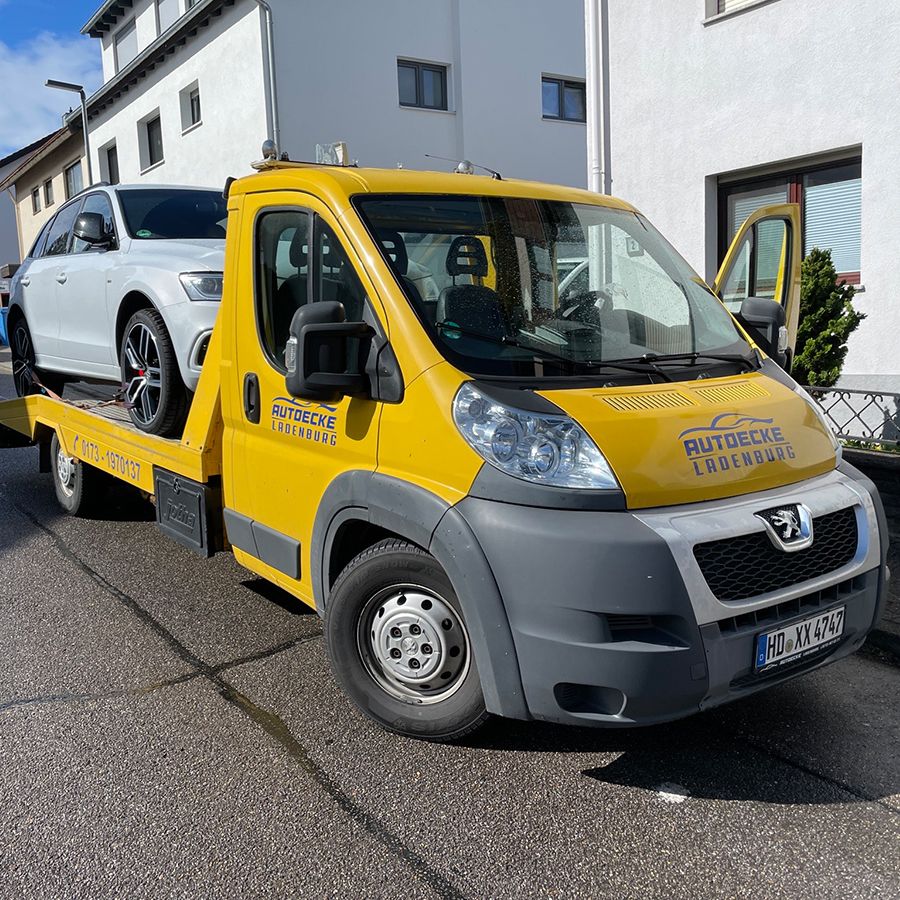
(189, 512)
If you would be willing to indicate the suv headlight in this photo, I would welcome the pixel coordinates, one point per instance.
(202, 285)
(551, 450)
(838, 449)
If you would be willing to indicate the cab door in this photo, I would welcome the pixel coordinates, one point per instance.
(291, 449)
(764, 261)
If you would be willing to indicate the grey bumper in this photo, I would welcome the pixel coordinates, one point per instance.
(613, 623)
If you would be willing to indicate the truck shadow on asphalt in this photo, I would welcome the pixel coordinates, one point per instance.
(277, 596)
(757, 749)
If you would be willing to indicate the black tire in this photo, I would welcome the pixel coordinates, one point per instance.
(154, 392)
(376, 595)
(79, 487)
(25, 374)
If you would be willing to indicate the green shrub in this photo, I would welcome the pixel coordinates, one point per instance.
(827, 319)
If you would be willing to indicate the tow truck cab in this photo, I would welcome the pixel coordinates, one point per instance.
(584, 493)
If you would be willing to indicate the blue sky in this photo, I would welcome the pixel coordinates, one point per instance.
(40, 39)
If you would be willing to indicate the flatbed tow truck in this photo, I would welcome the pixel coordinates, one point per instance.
(486, 524)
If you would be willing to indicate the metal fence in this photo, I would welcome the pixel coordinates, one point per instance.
(870, 417)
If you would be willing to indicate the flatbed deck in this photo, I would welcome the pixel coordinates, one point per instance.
(100, 433)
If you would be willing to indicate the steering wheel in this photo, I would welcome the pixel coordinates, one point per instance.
(586, 306)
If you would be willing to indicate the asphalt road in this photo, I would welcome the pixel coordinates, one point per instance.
(169, 727)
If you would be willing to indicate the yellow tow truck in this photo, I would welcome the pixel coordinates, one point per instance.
(512, 449)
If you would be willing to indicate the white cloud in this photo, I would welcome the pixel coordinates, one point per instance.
(28, 109)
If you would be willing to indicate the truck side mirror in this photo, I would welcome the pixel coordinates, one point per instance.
(89, 228)
(765, 320)
(316, 355)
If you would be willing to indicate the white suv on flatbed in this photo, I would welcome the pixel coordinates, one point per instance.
(122, 284)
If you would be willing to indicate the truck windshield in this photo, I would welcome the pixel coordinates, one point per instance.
(530, 288)
(166, 213)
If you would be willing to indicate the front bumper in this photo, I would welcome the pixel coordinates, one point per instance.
(613, 622)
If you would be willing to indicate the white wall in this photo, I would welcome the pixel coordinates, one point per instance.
(779, 81)
(496, 53)
(225, 60)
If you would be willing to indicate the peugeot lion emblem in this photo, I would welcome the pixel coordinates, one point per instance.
(790, 527)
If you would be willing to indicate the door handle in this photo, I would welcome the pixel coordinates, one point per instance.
(62, 278)
(25, 281)
(251, 398)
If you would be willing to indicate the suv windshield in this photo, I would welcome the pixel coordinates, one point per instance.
(531, 288)
(165, 213)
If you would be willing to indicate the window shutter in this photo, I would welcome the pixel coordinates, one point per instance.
(732, 5)
(741, 205)
(833, 220)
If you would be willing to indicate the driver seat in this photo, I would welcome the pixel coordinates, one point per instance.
(473, 307)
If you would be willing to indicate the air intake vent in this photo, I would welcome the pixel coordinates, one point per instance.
(640, 402)
(730, 393)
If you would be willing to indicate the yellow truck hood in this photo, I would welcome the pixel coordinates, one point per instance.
(701, 440)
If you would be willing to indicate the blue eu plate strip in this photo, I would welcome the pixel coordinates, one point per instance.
(761, 647)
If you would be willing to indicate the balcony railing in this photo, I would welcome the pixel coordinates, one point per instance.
(869, 417)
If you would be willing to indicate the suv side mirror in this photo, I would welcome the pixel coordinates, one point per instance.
(766, 321)
(89, 228)
(316, 354)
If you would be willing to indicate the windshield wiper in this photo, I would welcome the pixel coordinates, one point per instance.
(693, 356)
(638, 366)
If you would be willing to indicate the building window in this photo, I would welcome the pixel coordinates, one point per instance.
(831, 196)
(125, 45)
(189, 100)
(73, 179)
(563, 98)
(423, 85)
(721, 7)
(195, 106)
(167, 13)
(36, 201)
(150, 141)
(112, 164)
(48, 192)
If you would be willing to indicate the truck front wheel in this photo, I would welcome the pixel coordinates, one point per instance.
(399, 646)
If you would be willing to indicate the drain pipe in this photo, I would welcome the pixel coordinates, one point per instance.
(270, 64)
(596, 46)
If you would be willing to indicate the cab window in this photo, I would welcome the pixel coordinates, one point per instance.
(286, 279)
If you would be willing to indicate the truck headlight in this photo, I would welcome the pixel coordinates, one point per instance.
(202, 285)
(552, 450)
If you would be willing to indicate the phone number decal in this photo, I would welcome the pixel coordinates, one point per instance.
(104, 458)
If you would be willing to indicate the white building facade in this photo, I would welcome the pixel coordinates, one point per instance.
(186, 94)
(719, 106)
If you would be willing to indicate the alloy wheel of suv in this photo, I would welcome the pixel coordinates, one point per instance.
(26, 376)
(154, 393)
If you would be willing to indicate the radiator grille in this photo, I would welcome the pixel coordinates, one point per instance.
(749, 565)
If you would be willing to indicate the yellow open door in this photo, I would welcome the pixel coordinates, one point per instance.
(764, 261)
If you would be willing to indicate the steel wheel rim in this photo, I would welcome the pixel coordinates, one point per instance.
(23, 360)
(413, 644)
(141, 373)
(65, 472)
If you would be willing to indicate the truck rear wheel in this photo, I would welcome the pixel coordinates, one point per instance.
(77, 485)
(399, 646)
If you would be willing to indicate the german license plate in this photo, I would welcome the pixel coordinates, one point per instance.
(799, 639)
